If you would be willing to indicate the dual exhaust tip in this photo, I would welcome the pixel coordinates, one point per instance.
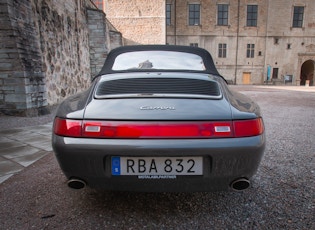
(240, 184)
(237, 185)
(76, 183)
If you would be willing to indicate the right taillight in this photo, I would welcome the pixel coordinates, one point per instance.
(248, 128)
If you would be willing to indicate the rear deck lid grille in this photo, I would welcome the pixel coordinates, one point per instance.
(158, 87)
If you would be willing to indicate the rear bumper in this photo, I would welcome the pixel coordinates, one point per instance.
(224, 160)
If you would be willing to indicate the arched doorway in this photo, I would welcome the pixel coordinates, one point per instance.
(307, 72)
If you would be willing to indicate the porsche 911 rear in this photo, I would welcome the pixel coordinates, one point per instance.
(159, 131)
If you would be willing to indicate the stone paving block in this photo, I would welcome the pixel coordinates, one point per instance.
(4, 178)
(9, 167)
(19, 151)
(29, 159)
(44, 129)
(31, 138)
(44, 144)
(15, 132)
(39, 127)
(8, 143)
(4, 139)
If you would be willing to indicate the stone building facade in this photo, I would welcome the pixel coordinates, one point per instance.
(49, 50)
(140, 21)
(252, 41)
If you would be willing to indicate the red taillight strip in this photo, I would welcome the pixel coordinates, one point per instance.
(67, 128)
(157, 130)
(248, 128)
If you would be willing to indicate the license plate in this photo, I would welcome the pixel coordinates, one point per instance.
(133, 166)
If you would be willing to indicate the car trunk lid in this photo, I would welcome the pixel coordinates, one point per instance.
(157, 96)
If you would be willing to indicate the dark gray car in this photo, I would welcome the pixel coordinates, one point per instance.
(159, 118)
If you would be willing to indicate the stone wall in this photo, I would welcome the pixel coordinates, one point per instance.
(22, 81)
(98, 33)
(98, 49)
(63, 36)
(47, 52)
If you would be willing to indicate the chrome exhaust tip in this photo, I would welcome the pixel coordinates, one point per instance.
(240, 184)
(76, 183)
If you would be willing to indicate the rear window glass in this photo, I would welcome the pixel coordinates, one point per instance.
(164, 60)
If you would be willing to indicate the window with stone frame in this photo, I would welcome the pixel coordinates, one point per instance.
(222, 50)
(223, 14)
(168, 11)
(193, 44)
(298, 15)
(252, 14)
(250, 52)
(194, 14)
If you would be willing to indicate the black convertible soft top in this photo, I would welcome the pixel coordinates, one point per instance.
(207, 60)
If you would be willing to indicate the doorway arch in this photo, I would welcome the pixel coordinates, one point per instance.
(307, 72)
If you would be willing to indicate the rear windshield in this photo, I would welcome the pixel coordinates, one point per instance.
(163, 60)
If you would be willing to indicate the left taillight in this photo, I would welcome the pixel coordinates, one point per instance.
(248, 128)
(67, 127)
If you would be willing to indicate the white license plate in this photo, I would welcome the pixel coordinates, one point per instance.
(132, 166)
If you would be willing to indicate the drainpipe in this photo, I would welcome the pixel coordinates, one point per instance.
(175, 27)
(267, 67)
(237, 35)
